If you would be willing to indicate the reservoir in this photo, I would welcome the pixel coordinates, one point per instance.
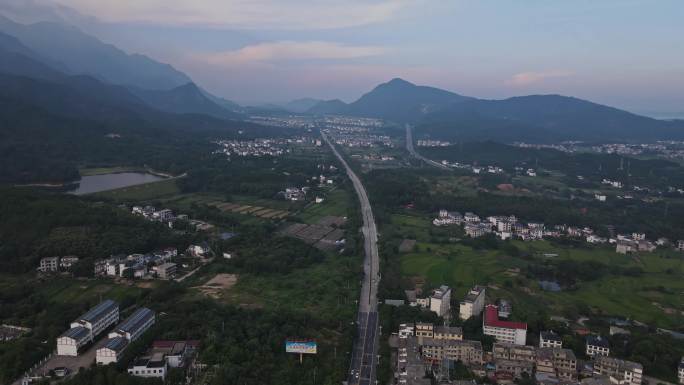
(96, 183)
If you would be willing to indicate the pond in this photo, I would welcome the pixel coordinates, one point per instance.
(96, 183)
(549, 286)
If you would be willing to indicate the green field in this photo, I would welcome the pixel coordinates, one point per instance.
(655, 297)
(142, 192)
(337, 203)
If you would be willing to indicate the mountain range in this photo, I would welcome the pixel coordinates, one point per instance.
(65, 50)
(444, 114)
(62, 92)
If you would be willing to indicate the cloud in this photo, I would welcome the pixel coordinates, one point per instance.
(244, 14)
(32, 11)
(284, 51)
(528, 78)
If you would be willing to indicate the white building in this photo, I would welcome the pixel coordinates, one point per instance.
(154, 366)
(72, 340)
(99, 318)
(681, 372)
(163, 215)
(68, 261)
(199, 250)
(440, 302)
(49, 264)
(167, 270)
(111, 352)
(550, 340)
(162, 356)
(405, 330)
(597, 346)
(503, 331)
(473, 303)
(135, 325)
(620, 372)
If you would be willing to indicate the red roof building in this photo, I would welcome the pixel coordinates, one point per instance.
(503, 331)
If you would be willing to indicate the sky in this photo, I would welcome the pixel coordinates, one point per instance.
(624, 53)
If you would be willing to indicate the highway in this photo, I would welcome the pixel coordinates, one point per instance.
(362, 369)
(412, 151)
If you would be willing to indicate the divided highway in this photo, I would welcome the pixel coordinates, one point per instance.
(412, 151)
(362, 370)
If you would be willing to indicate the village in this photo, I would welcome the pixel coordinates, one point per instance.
(262, 147)
(509, 227)
(427, 353)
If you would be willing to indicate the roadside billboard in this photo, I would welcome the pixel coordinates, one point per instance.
(301, 346)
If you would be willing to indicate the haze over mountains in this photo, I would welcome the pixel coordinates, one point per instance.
(62, 90)
(69, 51)
(536, 117)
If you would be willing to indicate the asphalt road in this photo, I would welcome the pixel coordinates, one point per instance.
(412, 151)
(362, 369)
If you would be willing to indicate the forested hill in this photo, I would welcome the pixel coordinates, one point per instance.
(545, 118)
(36, 225)
(446, 115)
(52, 123)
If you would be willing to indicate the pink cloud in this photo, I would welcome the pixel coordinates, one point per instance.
(528, 78)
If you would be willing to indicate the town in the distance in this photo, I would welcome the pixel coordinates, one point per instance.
(153, 231)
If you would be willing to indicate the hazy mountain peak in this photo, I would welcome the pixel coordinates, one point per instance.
(398, 82)
(81, 53)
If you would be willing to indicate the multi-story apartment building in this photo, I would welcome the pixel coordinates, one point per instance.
(99, 318)
(69, 343)
(49, 264)
(406, 330)
(447, 333)
(440, 302)
(508, 351)
(468, 352)
(503, 331)
(135, 325)
(438, 332)
(549, 339)
(559, 362)
(473, 303)
(425, 330)
(620, 372)
(111, 351)
(597, 346)
(85, 328)
(513, 368)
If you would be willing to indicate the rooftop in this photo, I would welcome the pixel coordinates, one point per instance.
(136, 320)
(550, 335)
(622, 364)
(491, 318)
(550, 353)
(448, 329)
(98, 312)
(597, 341)
(441, 292)
(77, 333)
(116, 344)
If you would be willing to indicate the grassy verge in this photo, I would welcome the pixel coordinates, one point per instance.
(142, 192)
(108, 170)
